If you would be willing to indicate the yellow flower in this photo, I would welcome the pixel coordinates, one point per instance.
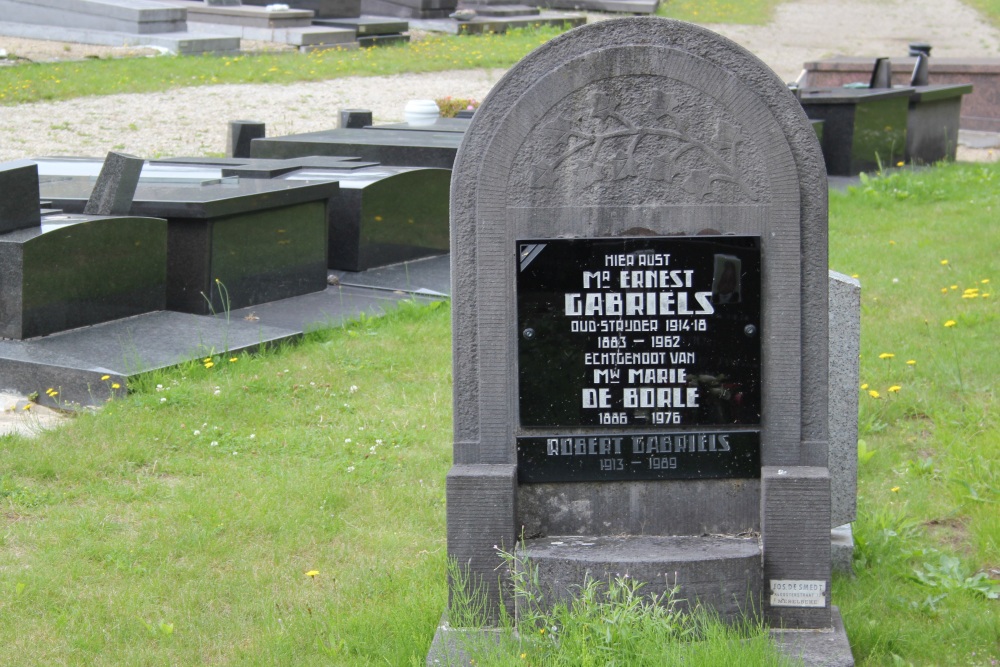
(895, 489)
(312, 573)
(891, 242)
(944, 262)
(854, 275)
(954, 286)
(899, 164)
(944, 290)
(209, 364)
(27, 406)
(206, 360)
(874, 394)
(523, 656)
(985, 281)
(895, 388)
(542, 631)
(864, 386)
(950, 323)
(984, 294)
(886, 355)
(233, 360)
(105, 377)
(115, 385)
(911, 362)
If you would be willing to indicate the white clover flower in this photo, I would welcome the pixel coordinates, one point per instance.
(353, 388)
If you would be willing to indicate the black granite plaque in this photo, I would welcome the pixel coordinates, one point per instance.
(634, 456)
(644, 332)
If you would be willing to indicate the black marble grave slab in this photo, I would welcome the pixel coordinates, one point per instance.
(74, 362)
(385, 215)
(643, 332)
(403, 148)
(76, 270)
(459, 125)
(862, 127)
(329, 308)
(231, 242)
(430, 276)
(932, 128)
(366, 26)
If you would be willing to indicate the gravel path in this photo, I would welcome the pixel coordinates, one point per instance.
(192, 121)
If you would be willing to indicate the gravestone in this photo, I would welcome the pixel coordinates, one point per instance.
(115, 187)
(639, 276)
(19, 183)
(241, 133)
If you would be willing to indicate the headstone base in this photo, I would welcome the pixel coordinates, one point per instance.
(814, 648)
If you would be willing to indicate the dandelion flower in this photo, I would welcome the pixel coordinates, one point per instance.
(105, 377)
(891, 242)
(954, 287)
(233, 360)
(944, 290)
(895, 388)
(209, 364)
(985, 281)
(27, 406)
(312, 573)
(911, 362)
(944, 262)
(950, 323)
(874, 394)
(895, 489)
(899, 164)
(115, 385)
(864, 386)
(855, 275)
(886, 355)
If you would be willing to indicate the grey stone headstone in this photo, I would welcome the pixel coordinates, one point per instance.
(224, 3)
(881, 74)
(115, 187)
(241, 134)
(20, 205)
(643, 127)
(845, 346)
(355, 118)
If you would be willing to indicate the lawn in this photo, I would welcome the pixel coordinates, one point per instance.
(288, 508)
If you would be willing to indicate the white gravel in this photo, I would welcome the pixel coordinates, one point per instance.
(192, 121)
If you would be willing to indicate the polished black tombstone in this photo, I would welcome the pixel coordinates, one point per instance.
(19, 184)
(934, 116)
(76, 270)
(232, 242)
(863, 129)
(385, 215)
(655, 341)
(398, 147)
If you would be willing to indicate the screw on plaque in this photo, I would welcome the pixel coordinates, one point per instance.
(749, 330)
(528, 333)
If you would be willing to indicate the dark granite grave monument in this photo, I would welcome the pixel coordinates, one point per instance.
(864, 129)
(410, 147)
(639, 276)
(232, 242)
(19, 183)
(75, 270)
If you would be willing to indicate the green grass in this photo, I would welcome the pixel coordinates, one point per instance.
(752, 12)
(177, 525)
(66, 80)
(990, 9)
(929, 476)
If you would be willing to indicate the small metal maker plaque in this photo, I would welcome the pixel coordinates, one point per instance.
(653, 340)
